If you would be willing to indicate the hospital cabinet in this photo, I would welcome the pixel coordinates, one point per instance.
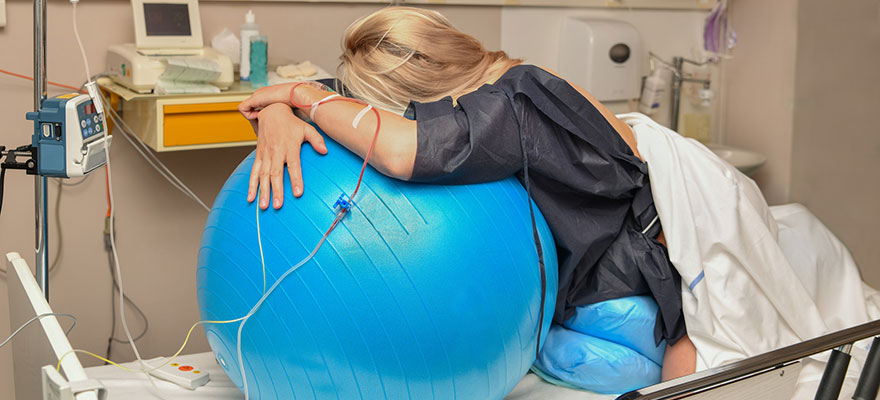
(185, 122)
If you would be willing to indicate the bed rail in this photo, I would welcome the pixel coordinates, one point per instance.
(777, 359)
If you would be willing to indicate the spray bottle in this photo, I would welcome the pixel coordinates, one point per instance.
(248, 30)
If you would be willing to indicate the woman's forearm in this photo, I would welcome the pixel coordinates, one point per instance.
(395, 150)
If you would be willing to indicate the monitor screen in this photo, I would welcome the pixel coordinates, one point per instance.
(167, 19)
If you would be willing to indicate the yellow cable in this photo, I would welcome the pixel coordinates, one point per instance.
(58, 368)
(185, 341)
(188, 334)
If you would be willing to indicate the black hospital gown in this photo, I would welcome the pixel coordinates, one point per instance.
(592, 190)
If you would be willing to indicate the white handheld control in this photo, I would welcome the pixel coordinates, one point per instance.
(184, 375)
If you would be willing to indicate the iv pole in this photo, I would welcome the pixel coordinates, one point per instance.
(40, 90)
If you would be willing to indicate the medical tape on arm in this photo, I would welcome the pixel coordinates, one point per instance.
(315, 105)
(360, 115)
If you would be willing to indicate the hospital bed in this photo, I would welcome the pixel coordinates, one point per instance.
(772, 375)
(768, 376)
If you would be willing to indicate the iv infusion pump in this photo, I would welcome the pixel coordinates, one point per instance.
(69, 136)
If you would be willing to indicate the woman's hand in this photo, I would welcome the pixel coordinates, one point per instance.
(268, 95)
(264, 97)
(280, 134)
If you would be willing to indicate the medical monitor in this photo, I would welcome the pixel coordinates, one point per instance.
(167, 24)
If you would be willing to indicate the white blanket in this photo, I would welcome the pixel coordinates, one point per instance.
(753, 280)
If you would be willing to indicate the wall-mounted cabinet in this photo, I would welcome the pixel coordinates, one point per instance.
(185, 122)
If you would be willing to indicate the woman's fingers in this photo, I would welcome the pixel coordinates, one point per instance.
(248, 109)
(315, 139)
(281, 136)
(294, 169)
(265, 190)
(253, 182)
(276, 177)
(262, 98)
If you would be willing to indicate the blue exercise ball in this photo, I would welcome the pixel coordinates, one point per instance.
(420, 292)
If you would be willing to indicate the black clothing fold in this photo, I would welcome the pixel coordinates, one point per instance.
(592, 190)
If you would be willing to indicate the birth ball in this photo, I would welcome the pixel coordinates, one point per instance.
(420, 292)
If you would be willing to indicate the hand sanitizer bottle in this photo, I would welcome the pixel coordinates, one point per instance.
(248, 30)
(652, 93)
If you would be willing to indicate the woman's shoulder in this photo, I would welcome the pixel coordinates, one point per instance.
(520, 79)
(528, 78)
(520, 70)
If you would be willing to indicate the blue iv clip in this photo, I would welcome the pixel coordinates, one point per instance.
(342, 203)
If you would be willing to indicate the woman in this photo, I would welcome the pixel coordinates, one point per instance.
(476, 115)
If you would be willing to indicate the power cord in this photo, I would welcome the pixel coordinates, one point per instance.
(20, 328)
(95, 95)
(60, 248)
(113, 290)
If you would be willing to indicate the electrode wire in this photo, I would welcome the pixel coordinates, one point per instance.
(49, 82)
(118, 269)
(112, 211)
(147, 370)
(339, 215)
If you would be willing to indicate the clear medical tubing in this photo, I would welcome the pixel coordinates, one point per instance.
(421, 291)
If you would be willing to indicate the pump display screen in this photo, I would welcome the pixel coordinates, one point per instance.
(167, 19)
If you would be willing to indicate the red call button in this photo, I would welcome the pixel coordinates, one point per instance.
(186, 368)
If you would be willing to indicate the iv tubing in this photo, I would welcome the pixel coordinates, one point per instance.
(339, 215)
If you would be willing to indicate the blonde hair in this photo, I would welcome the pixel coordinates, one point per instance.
(399, 54)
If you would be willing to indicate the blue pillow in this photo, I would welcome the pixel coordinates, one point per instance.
(606, 347)
(594, 364)
(628, 321)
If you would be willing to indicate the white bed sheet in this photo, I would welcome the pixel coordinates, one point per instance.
(754, 278)
(122, 384)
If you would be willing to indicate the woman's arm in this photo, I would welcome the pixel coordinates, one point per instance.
(395, 150)
(280, 135)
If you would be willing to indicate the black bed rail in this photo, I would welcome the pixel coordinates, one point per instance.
(713, 377)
